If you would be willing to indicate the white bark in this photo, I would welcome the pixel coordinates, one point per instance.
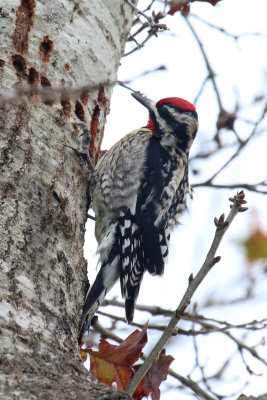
(44, 189)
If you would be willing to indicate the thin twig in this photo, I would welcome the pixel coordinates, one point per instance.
(224, 31)
(152, 23)
(125, 86)
(211, 260)
(241, 345)
(153, 310)
(149, 19)
(241, 146)
(247, 186)
(140, 45)
(139, 325)
(199, 365)
(198, 319)
(191, 384)
(211, 75)
(205, 81)
(161, 67)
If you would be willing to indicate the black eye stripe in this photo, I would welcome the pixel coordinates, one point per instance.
(165, 110)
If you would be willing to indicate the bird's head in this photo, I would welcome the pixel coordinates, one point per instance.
(173, 119)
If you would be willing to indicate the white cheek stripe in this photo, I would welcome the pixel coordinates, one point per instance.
(181, 117)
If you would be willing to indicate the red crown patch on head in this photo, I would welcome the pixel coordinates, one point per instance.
(177, 102)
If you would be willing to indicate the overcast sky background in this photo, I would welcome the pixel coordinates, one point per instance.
(241, 68)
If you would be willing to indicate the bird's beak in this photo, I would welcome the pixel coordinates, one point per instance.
(149, 104)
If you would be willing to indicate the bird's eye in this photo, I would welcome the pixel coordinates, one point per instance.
(164, 112)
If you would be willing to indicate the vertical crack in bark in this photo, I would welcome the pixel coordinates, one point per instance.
(99, 116)
(24, 23)
(79, 111)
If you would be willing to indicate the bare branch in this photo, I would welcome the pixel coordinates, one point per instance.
(211, 75)
(149, 19)
(210, 261)
(224, 31)
(153, 310)
(198, 318)
(207, 327)
(192, 385)
(242, 346)
(152, 23)
(242, 144)
(247, 186)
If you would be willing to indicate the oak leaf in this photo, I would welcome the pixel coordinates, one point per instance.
(113, 363)
(152, 380)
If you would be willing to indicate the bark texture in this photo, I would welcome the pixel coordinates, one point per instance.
(44, 189)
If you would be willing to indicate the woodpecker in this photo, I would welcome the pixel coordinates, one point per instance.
(139, 192)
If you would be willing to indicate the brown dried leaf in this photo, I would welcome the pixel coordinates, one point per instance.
(114, 363)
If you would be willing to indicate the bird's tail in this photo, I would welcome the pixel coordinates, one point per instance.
(143, 248)
(106, 277)
(128, 249)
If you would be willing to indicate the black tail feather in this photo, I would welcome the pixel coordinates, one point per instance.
(137, 246)
(143, 247)
(106, 277)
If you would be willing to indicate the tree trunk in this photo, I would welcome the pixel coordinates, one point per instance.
(44, 189)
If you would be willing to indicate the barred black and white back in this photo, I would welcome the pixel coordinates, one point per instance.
(140, 192)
